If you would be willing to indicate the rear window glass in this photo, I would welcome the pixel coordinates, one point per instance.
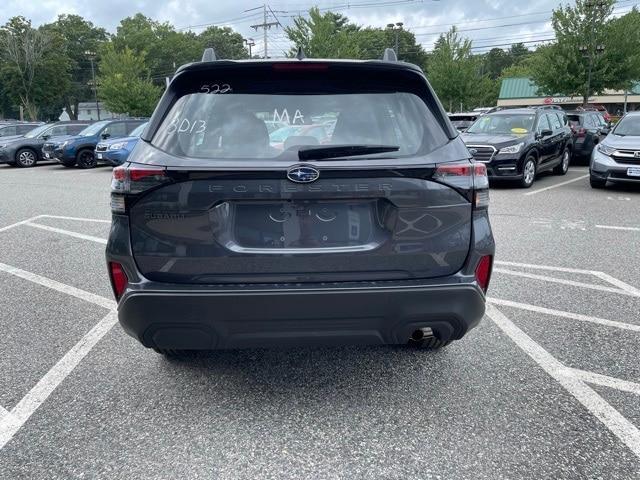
(574, 120)
(221, 121)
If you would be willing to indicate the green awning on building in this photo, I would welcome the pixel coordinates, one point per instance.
(522, 87)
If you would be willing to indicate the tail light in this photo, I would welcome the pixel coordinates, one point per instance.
(468, 176)
(132, 180)
(483, 272)
(119, 280)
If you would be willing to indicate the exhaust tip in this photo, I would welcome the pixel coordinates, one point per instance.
(421, 334)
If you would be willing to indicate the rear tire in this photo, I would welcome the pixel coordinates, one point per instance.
(563, 166)
(26, 158)
(67, 163)
(528, 171)
(597, 182)
(86, 159)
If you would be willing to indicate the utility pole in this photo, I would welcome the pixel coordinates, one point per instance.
(265, 25)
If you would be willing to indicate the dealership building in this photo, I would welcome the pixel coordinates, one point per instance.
(522, 92)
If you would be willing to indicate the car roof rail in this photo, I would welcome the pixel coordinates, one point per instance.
(389, 55)
(209, 55)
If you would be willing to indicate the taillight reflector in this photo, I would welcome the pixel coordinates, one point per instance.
(483, 272)
(137, 174)
(300, 66)
(119, 280)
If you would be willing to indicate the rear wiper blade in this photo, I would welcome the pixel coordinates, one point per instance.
(338, 151)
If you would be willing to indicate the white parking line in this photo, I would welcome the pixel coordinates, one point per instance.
(606, 381)
(3, 413)
(533, 192)
(613, 227)
(17, 224)
(562, 281)
(67, 232)
(80, 219)
(58, 286)
(561, 313)
(618, 283)
(544, 267)
(11, 423)
(609, 416)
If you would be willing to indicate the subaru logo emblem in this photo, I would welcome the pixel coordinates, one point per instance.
(303, 174)
(473, 151)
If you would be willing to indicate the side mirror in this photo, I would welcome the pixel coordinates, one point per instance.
(545, 133)
(46, 137)
(105, 136)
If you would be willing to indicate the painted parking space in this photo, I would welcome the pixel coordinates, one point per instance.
(549, 373)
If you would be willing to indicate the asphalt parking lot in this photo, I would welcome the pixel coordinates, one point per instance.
(548, 386)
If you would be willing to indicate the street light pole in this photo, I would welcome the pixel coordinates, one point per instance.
(396, 27)
(95, 86)
(249, 42)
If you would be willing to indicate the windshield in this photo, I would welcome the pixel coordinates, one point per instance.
(138, 130)
(93, 129)
(503, 124)
(37, 131)
(629, 125)
(235, 125)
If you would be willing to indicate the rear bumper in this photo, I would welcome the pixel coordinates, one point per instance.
(172, 317)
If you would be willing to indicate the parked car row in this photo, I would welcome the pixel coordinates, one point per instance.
(72, 143)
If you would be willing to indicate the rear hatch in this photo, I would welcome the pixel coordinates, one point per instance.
(215, 200)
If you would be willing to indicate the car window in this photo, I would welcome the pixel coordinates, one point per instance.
(74, 129)
(57, 130)
(598, 120)
(22, 129)
(628, 125)
(138, 130)
(543, 124)
(115, 130)
(503, 123)
(554, 121)
(574, 120)
(132, 126)
(563, 118)
(233, 125)
(10, 130)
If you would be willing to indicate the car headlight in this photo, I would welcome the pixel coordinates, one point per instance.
(512, 149)
(606, 150)
(118, 146)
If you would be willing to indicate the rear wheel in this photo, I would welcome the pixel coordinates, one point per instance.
(86, 159)
(563, 166)
(528, 171)
(68, 163)
(597, 182)
(25, 158)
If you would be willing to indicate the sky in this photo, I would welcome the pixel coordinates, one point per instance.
(487, 22)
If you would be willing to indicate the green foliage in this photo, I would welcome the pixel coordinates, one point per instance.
(455, 75)
(563, 67)
(80, 41)
(326, 35)
(124, 84)
(226, 43)
(33, 70)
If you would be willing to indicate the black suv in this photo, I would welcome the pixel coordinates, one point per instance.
(26, 151)
(589, 128)
(519, 143)
(223, 238)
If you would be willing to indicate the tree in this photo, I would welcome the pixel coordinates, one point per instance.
(592, 51)
(33, 72)
(371, 43)
(453, 70)
(81, 39)
(124, 84)
(495, 61)
(225, 41)
(327, 35)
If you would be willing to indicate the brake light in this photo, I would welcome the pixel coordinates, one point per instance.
(300, 66)
(133, 180)
(119, 280)
(469, 176)
(483, 272)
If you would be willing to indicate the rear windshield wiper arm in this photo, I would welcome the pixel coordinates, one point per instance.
(338, 151)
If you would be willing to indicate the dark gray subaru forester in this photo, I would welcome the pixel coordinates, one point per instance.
(299, 202)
